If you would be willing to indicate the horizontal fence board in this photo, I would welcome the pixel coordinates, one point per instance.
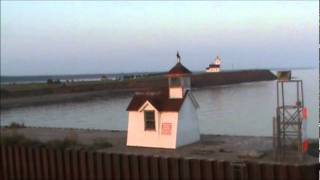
(20, 162)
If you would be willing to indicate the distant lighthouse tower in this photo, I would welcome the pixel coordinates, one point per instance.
(215, 67)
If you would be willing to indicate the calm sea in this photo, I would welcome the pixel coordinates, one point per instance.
(241, 109)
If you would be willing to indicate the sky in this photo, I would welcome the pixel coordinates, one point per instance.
(68, 37)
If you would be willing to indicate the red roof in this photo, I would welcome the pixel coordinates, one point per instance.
(213, 66)
(179, 69)
(160, 100)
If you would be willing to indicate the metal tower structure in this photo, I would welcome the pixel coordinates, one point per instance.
(287, 125)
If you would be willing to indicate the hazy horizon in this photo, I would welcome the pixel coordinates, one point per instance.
(66, 37)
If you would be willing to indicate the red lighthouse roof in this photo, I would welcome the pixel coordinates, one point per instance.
(179, 69)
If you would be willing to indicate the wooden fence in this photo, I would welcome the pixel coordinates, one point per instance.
(18, 162)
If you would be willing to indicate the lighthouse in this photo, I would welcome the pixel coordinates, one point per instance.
(165, 118)
(215, 67)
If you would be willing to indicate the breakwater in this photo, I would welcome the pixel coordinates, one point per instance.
(131, 85)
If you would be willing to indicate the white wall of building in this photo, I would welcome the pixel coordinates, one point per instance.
(188, 124)
(158, 138)
(213, 70)
(176, 92)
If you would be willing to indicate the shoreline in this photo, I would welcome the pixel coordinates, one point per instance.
(217, 147)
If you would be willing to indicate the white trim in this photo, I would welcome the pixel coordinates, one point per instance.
(193, 100)
(145, 105)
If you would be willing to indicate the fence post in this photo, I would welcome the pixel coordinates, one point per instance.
(195, 169)
(75, 164)
(52, 164)
(4, 163)
(12, 174)
(91, 162)
(59, 164)
(17, 161)
(115, 159)
(83, 165)
(45, 163)
(154, 168)
(67, 164)
(99, 166)
(239, 171)
(219, 170)
(164, 174)
(39, 168)
(268, 172)
(174, 171)
(107, 166)
(144, 167)
(125, 168)
(184, 169)
(207, 169)
(134, 167)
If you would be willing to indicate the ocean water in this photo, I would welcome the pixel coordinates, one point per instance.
(240, 109)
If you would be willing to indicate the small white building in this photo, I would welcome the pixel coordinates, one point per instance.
(215, 67)
(165, 118)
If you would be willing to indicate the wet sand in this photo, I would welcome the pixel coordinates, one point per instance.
(218, 147)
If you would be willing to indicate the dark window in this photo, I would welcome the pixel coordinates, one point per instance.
(149, 120)
(175, 82)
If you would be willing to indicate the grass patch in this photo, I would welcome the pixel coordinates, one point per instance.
(99, 144)
(66, 143)
(18, 139)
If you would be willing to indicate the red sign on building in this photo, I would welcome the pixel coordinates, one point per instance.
(166, 128)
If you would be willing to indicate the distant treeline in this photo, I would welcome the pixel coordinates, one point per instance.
(77, 77)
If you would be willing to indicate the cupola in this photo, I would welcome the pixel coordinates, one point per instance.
(179, 80)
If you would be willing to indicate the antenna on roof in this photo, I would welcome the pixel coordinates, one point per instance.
(178, 57)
